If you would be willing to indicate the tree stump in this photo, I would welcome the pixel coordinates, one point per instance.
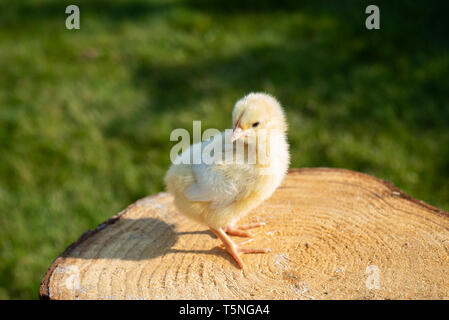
(334, 234)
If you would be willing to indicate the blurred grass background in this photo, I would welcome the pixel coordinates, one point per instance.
(85, 115)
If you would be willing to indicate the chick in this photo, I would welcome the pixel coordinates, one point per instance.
(220, 193)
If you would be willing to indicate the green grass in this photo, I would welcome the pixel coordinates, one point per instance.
(85, 115)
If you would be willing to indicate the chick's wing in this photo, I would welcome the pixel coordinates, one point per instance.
(221, 183)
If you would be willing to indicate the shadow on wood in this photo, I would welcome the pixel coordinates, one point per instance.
(334, 234)
(145, 238)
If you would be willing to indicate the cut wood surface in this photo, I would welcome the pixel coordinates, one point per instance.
(334, 234)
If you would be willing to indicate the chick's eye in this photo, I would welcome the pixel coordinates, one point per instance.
(255, 124)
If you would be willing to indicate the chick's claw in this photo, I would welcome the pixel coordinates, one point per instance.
(235, 250)
(222, 246)
(239, 231)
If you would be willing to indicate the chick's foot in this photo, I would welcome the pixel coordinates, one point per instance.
(240, 231)
(235, 250)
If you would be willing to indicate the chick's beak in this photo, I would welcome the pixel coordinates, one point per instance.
(238, 132)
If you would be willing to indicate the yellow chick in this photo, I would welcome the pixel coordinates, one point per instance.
(218, 194)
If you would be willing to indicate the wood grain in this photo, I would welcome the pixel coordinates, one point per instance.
(331, 232)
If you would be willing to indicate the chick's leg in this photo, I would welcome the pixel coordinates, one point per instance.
(240, 230)
(233, 249)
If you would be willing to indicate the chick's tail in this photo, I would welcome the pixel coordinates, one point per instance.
(179, 178)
